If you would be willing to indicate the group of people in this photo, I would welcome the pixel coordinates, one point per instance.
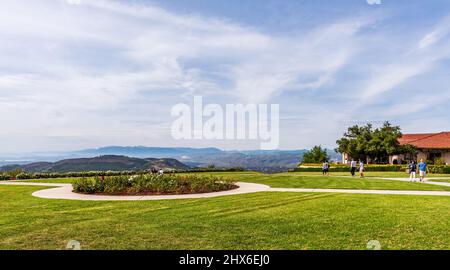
(353, 163)
(412, 168)
(360, 169)
(156, 171)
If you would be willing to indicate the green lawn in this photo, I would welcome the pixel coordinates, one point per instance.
(373, 174)
(52, 180)
(305, 180)
(442, 180)
(286, 181)
(267, 220)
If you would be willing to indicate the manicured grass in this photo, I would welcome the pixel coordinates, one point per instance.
(287, 181)
(373, 174)
(306, 180)
(442, 180)
(54, 180)
(303, 180)
(267, 220)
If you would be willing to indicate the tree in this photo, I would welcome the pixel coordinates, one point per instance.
(384, 143)
(410, 152)
(355, 141)
(376, 144)
(14, 173)
(315, 155)
(211, 166)
(439, 161)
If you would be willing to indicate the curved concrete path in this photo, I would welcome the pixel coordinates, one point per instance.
(365, 191)
(427, 181)
(64, 191)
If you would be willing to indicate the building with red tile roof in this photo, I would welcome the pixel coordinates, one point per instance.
(430, 145)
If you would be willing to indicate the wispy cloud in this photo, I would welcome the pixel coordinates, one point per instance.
(107, 72)
(414, 60)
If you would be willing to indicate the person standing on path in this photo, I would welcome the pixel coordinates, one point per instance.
(325, 168)
(412, 171)
(422, 170)
(353, 167)
(361, 169)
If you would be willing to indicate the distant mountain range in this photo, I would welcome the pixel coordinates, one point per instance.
(143, 151)
(259, 160)
(101, 163)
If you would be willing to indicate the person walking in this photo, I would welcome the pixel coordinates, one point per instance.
(422, 170)
(412, 171)
(353, 167)
(325, 168)
(361, 169)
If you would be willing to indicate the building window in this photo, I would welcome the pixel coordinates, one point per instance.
(434, 156)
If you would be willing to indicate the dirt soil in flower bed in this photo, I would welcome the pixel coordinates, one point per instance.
(148, 193)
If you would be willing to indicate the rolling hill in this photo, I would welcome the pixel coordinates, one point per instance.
(258, 160)
(100, 163)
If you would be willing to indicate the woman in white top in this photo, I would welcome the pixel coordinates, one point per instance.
(361, 169)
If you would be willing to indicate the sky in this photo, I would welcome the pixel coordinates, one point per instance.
(78, 74)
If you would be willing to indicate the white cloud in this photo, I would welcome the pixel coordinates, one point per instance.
(441, 30)
(92, 70)
(413, 61)
(374, 2)
(73, 2)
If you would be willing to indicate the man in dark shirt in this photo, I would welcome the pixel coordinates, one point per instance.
(412, 171)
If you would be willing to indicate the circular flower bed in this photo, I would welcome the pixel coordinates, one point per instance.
(152, 184)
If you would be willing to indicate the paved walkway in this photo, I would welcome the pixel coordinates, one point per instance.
(427, 181)
(365, 191)
(64, 191)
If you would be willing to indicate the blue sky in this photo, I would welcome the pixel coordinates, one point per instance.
(80, 74)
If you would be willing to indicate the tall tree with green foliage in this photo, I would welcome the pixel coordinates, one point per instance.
(355, 141)
(316, 155)
(410, 152)
(362, 142)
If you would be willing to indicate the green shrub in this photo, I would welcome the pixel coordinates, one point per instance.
(438, 169)
(446, 170)
(194, 170)
(346, 168)
(85, 185)
(23, 175)
(14, 173)
(440, 162)
(44, 175)
(116, 184)
(441, 169)
(152, 183)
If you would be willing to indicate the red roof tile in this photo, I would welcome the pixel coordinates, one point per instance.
(429, 140)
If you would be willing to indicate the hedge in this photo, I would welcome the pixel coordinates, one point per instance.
(392, 168)
(46, 175)
(153, 183)
(439, 169)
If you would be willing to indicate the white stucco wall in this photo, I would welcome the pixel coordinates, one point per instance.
(446, 156)
(421, 155)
